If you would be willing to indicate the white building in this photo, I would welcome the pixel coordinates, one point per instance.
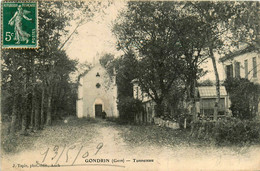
(243, 63)
(97, 92)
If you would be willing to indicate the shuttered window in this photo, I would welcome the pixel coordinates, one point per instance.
(237, 69)
(229, 71)
(254, 67)
(246, 68)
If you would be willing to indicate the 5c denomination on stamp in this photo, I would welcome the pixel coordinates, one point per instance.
(19, 25)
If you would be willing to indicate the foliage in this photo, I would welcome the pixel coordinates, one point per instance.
(106, 59)
(244, 96)
(228, 131)
(236, 131)
(125, 67)
(167, 46)
(128, 108)
(36, 82)
(206, 83)
(245, 24)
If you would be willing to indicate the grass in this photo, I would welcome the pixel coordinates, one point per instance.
(57, 134)
(150, 135)
(162, 136)
(84, 130)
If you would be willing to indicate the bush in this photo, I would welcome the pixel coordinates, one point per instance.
(9, 144)
(128, 108)
(244, 96)
(236, 131)
(229, 130)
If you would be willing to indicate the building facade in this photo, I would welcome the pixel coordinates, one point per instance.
(243, 63)
(207, 96)
(149, 105)
(97, 93)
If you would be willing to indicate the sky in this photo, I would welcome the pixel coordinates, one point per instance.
(96, 38)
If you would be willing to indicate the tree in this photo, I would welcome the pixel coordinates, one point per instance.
(124, 68)
(39, 78)
(215, 16)
(207, 82)
(106, 59)
(227, 24)
(244, 96)
(168, 48)
(244, 25)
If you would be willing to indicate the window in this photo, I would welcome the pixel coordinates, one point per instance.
(98, 85)
(97, 75)
(229, 71)
(237, 69)
(246, 68)
(254, 67)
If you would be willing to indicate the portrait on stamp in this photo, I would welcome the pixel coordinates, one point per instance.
(19, 23)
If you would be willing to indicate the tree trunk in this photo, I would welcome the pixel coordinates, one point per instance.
(159, 108)
(33, 97)
(24, 120)
(42, 107)
(32, 110)
(26, 108)
(216, 107)
(48, 119)
(14, 115)
(193, 91)
(36, 115)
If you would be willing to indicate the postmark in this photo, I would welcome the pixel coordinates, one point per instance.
(19, 25)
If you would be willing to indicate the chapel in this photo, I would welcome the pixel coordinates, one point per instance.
(97, 93)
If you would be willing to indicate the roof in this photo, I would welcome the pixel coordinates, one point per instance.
(237, 53)
(210, 91)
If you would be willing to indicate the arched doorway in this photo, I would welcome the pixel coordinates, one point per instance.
(98, 107)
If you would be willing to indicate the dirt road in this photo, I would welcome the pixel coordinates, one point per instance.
(103, 145)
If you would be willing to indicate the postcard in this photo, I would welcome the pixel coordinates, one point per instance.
(130, 85)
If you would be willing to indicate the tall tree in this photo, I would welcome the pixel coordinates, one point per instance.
(155, 31)
(215, 16)
(45, 78)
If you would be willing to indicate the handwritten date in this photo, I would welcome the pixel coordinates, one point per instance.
(58, 152)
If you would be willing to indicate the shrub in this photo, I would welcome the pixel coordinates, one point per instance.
(128, 108)
(236, 131)
(9, 144)
(244, 96)
(228, 130)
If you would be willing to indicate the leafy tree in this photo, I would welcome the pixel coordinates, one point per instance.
(244, 25)
(37, 82)
(168, 45)
(216, 17)
(125, 67)
(207, 82)
(227, 24)
(106, 59)
(244, 96)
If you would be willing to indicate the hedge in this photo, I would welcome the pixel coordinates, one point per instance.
(227, 130)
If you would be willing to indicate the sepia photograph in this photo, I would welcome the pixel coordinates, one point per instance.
(130, 85)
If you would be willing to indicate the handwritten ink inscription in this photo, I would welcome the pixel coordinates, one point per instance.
(57, 152)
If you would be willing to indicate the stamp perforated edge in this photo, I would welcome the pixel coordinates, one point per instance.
(37, 26)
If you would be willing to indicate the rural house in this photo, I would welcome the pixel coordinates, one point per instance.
(148, 104)
(243, 63)
(206, 100)
(97, 92)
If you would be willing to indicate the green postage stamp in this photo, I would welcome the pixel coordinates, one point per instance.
(19, 25)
